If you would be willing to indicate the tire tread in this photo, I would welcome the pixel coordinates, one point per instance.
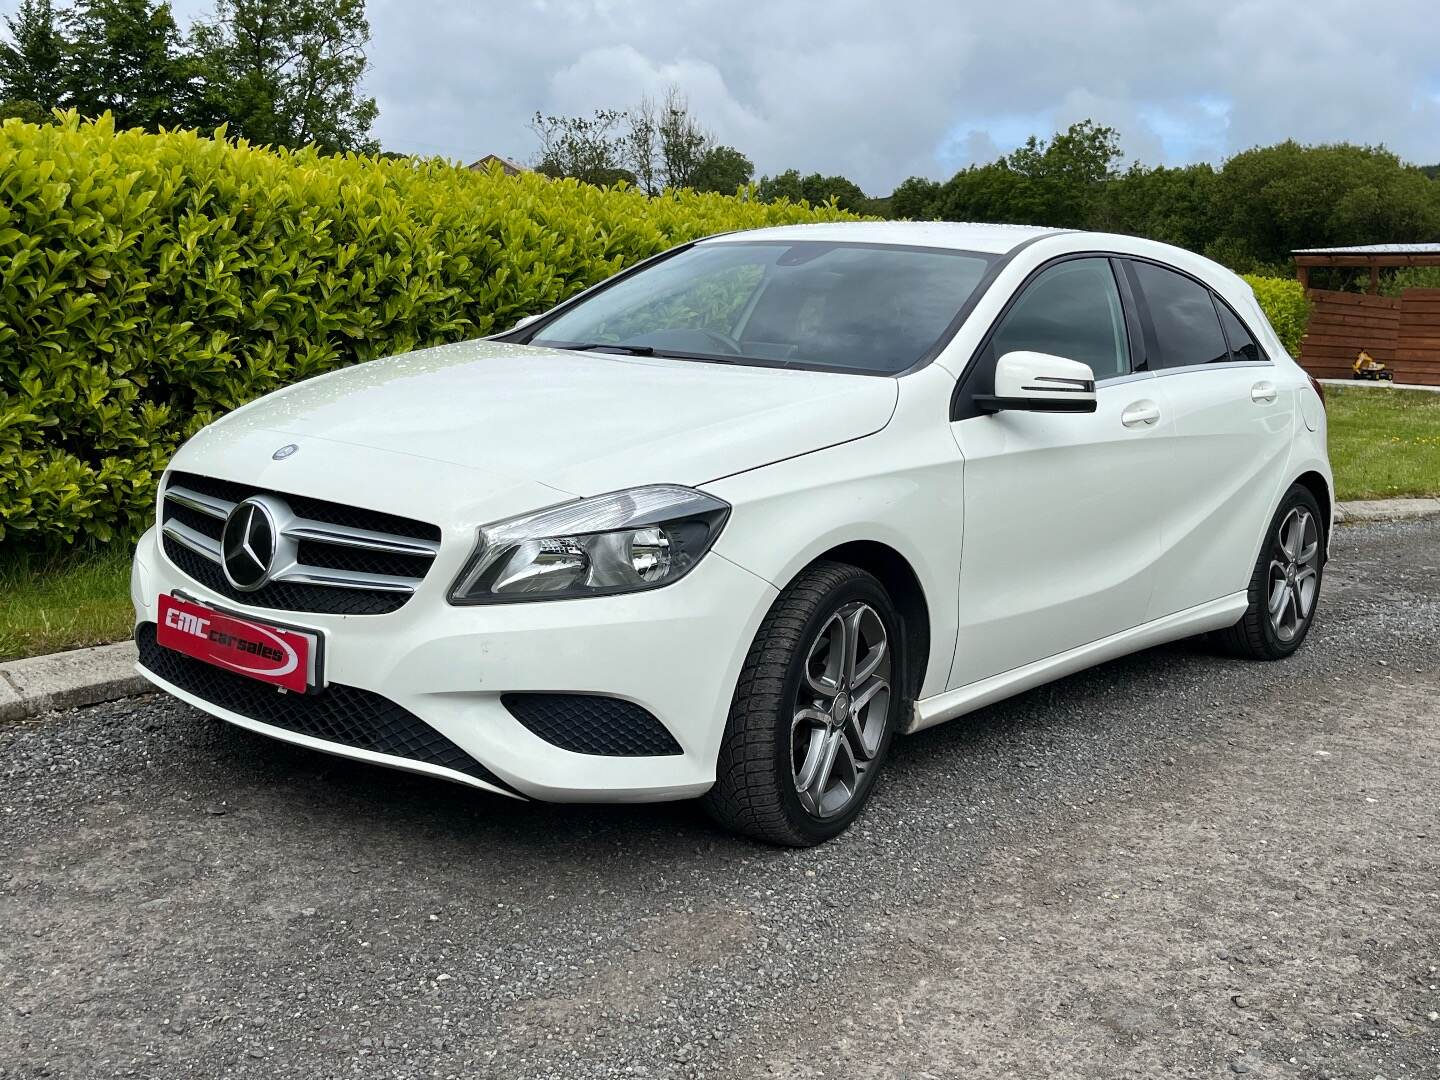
(1248, 637)
(746, 796)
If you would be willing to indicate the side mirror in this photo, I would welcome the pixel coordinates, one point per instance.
(1039, 382)
(526, 321)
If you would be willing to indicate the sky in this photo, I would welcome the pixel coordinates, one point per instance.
(878, 91)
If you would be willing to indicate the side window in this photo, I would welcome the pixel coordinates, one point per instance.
(1242, 343)
(1072, 310)
(1187, 330)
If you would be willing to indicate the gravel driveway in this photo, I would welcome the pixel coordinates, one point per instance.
(1174, 865)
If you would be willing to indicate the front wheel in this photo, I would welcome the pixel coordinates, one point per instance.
(814, 712)
(1285, 582)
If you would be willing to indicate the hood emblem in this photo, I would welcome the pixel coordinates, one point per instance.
(284, 452)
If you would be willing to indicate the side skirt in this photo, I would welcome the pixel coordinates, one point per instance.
(1213, 615)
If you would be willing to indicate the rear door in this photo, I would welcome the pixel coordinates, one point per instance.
(1061, 534)
(1233, 428)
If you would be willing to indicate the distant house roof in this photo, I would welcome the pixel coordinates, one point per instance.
(1373, 249)
(509, 167)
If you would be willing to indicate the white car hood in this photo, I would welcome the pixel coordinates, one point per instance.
(584, 423)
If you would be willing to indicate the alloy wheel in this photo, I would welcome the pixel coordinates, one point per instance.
(841, 710)
(1294, 573)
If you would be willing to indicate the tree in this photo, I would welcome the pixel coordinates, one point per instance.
(653, 147)
(638, 147)
(288, 72)
(665, 147)
(916, 199)
(1170, 205)
(585, 148)
(723, 169)
(813, 189)
(1271, 200)
(1059, 183)
(28, 111)
(31, 78)
(126, 56)
(683, 142)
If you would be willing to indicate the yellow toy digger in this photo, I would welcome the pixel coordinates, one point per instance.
(1367, 367)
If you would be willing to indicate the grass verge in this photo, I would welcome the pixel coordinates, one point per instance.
(1384, 444)
(64, 601)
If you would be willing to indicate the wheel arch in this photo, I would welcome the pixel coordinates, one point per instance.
(1313, 480)
(1319, 486)
(1316, 483)
(903, 584)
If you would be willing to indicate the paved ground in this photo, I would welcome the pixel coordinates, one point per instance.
(1175, 865)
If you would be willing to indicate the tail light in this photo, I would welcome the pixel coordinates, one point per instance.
(1317, 387)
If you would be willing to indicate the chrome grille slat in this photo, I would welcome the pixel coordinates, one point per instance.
(347, 579)
(346, 536)
(204, 504)
(196, 541)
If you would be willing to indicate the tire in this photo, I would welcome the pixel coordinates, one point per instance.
(1289, 578)
(778, 740)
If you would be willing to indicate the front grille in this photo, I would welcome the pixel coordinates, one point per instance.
(283, 595)
(319, 509)
(590, 724)
(346, 715)
(331, 558)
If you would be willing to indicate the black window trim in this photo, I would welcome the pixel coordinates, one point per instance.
(962, 398)
(997, 263)
(1230, 345)
(1148, 322)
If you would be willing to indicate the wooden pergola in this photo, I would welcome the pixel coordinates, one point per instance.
(1402, 332)
(1375, 257)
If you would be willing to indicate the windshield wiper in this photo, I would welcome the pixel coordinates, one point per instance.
(603, 346)
(645, 350)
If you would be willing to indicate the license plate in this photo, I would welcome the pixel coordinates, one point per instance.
(279, 655)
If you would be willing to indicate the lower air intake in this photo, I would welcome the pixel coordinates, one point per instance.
(345, 715)
(588, 724)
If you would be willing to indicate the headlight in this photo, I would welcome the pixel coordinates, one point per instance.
(623, 542)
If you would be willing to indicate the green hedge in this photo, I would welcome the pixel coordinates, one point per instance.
(149, 283)
(1283, 301)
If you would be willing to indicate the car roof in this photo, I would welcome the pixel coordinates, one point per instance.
(951, 235)
(992, 239)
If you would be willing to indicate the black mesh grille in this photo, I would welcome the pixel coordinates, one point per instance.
(314, 509)
(338, 557)
(339, 714)
(284, 595)
(588, 724)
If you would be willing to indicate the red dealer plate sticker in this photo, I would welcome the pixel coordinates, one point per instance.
(271, 654)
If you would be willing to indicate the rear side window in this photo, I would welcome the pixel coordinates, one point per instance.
(1072, 310)
(1242, 342)
(1187, 329)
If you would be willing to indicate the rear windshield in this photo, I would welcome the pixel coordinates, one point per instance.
(871, 308)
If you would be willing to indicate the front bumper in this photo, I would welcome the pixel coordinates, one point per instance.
(676, 651)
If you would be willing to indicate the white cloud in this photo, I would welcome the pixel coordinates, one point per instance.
(879, 91)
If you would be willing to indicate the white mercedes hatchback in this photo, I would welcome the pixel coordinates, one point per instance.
(726, 524)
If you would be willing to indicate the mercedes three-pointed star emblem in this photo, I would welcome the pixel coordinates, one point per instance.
(247, 545)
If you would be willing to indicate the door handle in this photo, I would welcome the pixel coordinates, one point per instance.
(1262, 393)
(1141, 414)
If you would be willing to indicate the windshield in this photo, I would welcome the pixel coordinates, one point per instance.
(868, 308)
